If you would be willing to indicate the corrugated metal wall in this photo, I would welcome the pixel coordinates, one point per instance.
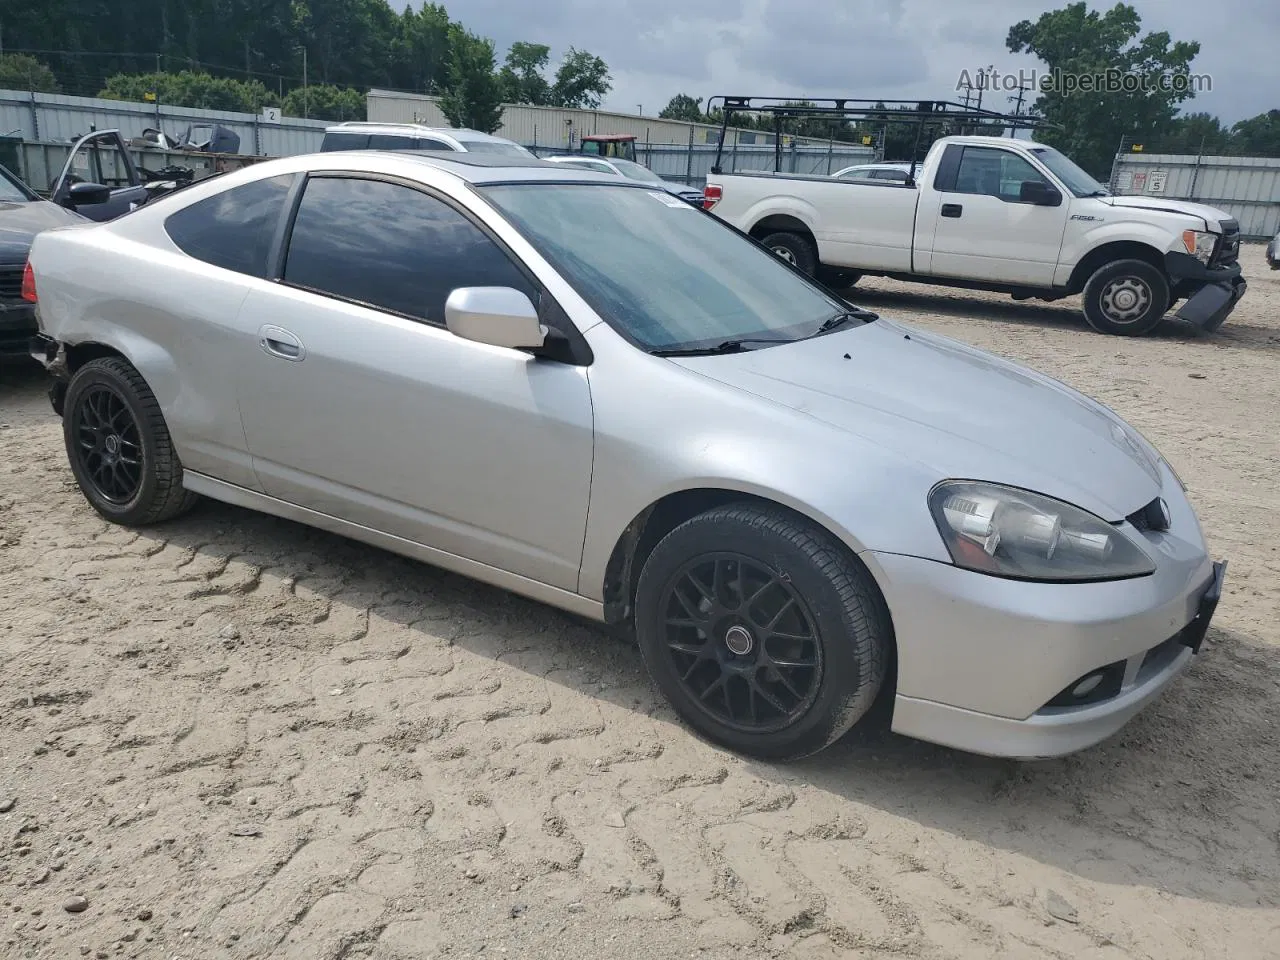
(1248, 188)
(552, 127)
(48, 116)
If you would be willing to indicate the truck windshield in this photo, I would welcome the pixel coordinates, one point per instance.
(660, 272)
(1065, 169)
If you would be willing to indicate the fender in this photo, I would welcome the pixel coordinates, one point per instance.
(1158, 237)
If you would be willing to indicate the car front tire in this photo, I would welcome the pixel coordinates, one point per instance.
(119, 446)
(1126, 298)
(764, 633)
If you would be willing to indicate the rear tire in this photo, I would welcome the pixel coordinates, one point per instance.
(119, 446)
(837, 279)
(783, 674)
(1127, 298)
(795, 249)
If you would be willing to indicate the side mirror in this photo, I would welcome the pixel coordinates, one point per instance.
(82, 194)
(1039, 193)
(498, 316)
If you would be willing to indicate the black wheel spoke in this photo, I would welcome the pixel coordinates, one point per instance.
(108, 444)
(742, 642)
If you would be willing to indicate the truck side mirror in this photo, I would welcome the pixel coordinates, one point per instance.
(1039, 193)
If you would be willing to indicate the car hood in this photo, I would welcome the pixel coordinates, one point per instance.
(959, 412)
(20, 222)
(1212, 216)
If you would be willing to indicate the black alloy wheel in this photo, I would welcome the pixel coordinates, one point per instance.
(742, 642)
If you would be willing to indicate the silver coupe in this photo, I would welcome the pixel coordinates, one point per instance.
(586, 391)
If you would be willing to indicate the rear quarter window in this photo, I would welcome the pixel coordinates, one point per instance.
(233, 229)
(344, 141)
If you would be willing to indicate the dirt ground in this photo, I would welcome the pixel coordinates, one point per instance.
(237, 737)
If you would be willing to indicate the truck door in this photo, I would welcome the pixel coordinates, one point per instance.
(990, 215)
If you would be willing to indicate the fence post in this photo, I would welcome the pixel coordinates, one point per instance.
(35, 118)
(1195, 173)
(688, 167)
(257, 137)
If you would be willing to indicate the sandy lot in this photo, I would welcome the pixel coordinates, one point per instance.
(238, 738)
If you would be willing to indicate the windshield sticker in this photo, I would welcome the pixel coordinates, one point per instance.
(670, 201)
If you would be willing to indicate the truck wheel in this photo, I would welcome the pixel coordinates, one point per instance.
(765, 635)
(794, 249)
(1127, 298)
(838, 279)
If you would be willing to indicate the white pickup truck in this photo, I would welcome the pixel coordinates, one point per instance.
(1008, 215)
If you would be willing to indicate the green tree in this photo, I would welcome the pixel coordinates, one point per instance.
(1193, 133)
(422, 49)
(324, 101)
(683, 107)
(1083, 46)
(191, 89)
(20, 72)
(474, 96)
(582, 81)
(522, 74)
(1258, 136)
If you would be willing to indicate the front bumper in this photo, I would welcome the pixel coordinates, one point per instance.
(1212, 292)
(17, 326)
(990, 665)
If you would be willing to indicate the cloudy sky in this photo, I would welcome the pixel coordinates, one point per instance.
(891, 49)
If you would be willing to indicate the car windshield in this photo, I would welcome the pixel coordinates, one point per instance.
(661, 272)
(10, 190)
(496, 146)
(1066, 170)
(635, 171)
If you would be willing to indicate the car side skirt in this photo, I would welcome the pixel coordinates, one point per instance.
(533, 589)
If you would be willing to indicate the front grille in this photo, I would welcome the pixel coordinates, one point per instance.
(10, 283)
(1228, 251)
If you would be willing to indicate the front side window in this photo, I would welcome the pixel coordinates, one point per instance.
(664, 274)
(11, 189)
(994, 173)
(391, 247)
(233, 229)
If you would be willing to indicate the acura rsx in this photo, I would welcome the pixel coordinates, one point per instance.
(588, 392)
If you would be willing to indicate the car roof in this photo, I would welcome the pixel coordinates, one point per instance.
(477, 168)
(455, 134)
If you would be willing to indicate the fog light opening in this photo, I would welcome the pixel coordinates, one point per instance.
(1088, 684)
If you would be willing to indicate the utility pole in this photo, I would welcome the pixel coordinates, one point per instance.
(1017, 109)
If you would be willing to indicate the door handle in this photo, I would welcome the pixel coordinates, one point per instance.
(279, 342)
(951, 209)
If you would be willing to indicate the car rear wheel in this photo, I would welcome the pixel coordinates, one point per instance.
(763, 632)
(119, 447)
(793, 249)
(1126, 298)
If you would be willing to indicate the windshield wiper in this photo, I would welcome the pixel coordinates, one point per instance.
(728, 346)
(845, 316)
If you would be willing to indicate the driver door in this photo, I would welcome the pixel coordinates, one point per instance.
(100, 157)
(359, 403)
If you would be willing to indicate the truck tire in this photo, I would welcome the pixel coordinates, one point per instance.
(1127, 298)
(838, 279)
(795, 249)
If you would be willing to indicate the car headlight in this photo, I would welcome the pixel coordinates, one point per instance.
(1007, 532)
(1199, 244)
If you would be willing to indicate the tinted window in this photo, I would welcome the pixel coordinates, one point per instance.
(388, 141)
(392, 247)
(994, 173)
(344, 141)
(233, 229)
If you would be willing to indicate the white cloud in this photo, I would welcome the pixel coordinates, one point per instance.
(890, 49)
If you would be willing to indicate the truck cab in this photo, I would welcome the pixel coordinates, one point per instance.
(1000, 214)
